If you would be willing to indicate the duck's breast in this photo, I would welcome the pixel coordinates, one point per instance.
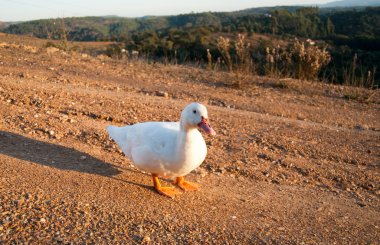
(192, 152)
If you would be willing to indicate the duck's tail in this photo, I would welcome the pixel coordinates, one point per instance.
(118, 134)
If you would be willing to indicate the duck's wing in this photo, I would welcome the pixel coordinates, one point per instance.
(143, 142)
(154, 140)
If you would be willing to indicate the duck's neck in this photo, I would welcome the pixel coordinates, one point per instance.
(185, 127)
(185, 136)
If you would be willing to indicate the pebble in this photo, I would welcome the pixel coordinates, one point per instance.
(263, 156)
(146, 239)
(361, 127)
(162, 94)
(201, 171)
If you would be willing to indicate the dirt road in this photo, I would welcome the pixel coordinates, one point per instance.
(293, 162)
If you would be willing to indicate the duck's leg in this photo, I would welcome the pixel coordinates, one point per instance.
(166, 191)
(185, 185)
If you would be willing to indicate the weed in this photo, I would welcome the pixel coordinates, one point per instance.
(223, 45)
(243, 59)
(308, 60)
(209, 59)
(354, 75)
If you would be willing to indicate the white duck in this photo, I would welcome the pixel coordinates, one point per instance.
(167, 149)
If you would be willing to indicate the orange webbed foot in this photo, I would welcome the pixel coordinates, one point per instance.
(166, 191)
(186, 185)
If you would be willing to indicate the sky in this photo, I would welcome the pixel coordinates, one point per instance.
(21, 10)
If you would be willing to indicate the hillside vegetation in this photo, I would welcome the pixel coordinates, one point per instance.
(350, 36)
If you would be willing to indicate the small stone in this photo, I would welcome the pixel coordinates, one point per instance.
(233, 217)
(83, 158)
(146, 239)
(221, 170)
(361, 204)
(51, 132)
(361, 127)
(42, 220)
(246, 160)
(162, 94)
(264, 156)
(201, 171)
(266, 173)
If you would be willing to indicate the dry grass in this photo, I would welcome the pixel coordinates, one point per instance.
(357, 77)
(296, 60)
(223, 45)
(243, 57)
(308, 60)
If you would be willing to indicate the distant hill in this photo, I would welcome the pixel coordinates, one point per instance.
(3, 25)
(264, 10)
(350, 3)
(311, 22)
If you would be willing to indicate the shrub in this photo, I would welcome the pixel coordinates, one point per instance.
(308, 60)
(296, 60)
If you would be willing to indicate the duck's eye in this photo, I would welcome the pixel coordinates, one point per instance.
(195, 112)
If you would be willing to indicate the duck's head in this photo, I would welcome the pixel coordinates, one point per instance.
(195, 115)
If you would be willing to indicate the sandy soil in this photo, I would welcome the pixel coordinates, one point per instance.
(293, 162)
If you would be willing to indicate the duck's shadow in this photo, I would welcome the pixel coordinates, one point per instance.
(57, 156)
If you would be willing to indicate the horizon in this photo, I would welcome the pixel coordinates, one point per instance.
(22, 10)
